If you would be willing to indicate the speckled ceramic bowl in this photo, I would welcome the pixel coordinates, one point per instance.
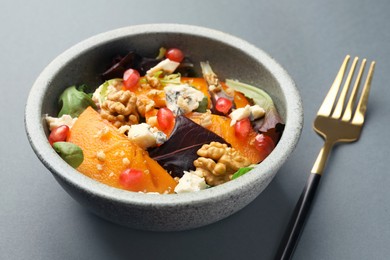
(230, 57)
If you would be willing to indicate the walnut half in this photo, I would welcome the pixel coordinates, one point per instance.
(218, 162)
(120, 108)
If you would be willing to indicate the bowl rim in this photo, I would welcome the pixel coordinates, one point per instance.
(59, 168)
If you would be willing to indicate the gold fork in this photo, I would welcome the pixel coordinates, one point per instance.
(336, 121)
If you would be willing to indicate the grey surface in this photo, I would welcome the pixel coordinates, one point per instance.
(351, 216)
(83, 62)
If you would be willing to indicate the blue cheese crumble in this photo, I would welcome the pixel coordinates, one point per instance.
(190, 182)
(183, 98)
(144, 135)
(253, 112)
(55, 122)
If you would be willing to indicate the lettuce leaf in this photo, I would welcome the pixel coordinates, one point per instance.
(74, 101)
(241, 172)
(261, 98)
(178, 153)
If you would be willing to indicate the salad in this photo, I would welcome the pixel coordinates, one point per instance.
(154, 126)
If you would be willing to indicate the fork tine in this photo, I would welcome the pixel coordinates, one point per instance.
(340, 103)
(348, 110)
(361, 108)
(327, 104)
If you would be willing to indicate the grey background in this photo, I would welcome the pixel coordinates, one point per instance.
(351, 217)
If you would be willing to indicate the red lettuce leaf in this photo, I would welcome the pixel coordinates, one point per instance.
(178, 153)
(142, 64)
(130, 60)
(271, 125)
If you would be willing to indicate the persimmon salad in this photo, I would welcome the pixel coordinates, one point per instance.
(154, 126)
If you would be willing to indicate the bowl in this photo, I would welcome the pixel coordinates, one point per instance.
(230, 56)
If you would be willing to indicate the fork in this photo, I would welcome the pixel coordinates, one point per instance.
(336, 121)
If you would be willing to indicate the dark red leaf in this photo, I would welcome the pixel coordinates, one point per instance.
(178, 153)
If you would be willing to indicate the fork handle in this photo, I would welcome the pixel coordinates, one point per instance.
(297, 221)
(322, 157)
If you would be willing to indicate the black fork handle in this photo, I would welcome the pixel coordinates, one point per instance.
(297, 221)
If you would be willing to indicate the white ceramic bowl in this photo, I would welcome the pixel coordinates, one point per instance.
(231, 57)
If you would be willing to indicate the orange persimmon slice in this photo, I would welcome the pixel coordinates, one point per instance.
(108, 153)
(221, 126)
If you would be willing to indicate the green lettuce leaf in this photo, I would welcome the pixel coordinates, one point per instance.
(70, 153)
(272, 118)
(74, 101)
(241, 172)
